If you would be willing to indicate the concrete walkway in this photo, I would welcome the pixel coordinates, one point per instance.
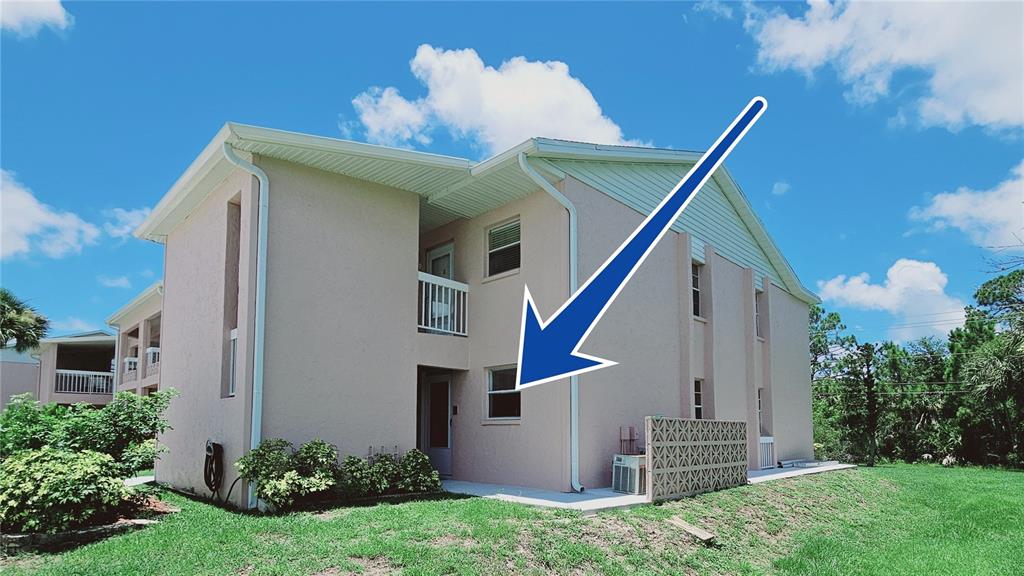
(758, 476)
(138, 480)
(589, 502)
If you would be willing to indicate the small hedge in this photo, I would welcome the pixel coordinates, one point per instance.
(285, 477)
(51, 490)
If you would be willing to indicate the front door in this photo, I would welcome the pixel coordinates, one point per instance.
(439, 260)
(438, 410)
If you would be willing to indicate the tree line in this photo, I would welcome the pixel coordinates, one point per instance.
(962, 397)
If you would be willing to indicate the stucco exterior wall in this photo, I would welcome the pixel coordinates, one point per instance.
(532, 451)
(194, 340)
(790, 376)
(341, 311)
(19, 374)
(640, 331)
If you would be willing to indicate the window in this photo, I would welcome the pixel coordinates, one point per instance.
(760, 425)
(503, 400)
(758, 296)
(503, 248)
(233, 363)
(695, 270)
(698, 399)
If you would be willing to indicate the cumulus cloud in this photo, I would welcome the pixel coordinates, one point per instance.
(971, 53)
(991, 218)
(74, 324)
(30, 225)
(122, 222)
(26, 17)
(495, 108)
(914, 293)
(780, 188)
(114, 281)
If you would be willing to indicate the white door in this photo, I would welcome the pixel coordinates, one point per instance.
(438, 412)
(439, 260)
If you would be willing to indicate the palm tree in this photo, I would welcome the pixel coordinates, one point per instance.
(20, 323)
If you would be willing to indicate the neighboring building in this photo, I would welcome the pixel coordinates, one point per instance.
(393, 297)
(19, 374)
(138, 342)
(76, 368)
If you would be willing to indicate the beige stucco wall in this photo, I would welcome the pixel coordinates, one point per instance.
(534, 450)
(790, 376)
(194, 339)
(17, 377)
(341, 311)
(641, 331)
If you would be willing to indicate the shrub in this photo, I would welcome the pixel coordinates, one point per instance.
(384, 473)
(417, 475)
(51, 490)
(358, 480)
(26, 425)
(283, 476)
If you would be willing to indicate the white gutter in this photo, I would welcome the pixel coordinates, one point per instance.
(259, 331)
(574, 383)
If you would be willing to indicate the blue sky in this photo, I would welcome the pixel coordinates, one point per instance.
(891, 148)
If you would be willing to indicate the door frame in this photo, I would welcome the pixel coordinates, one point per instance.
(446, 249)
(437, 455)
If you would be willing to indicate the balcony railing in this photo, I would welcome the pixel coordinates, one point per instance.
(442, 305)
(152, 360)
(83, 382)
(766, 451)
(131, 370)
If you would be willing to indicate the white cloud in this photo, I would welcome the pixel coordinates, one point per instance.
(780, 188)
(29, 225)
(26, 17)
(914, 293)
(992, 218)
(496, 108)
(114, 281)
(123, 222)
(715, 8)
(73, 324)
(971, 53)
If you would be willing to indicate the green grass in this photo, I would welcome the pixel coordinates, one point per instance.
(889, 520)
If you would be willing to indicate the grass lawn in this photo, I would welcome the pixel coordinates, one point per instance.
(899, 519)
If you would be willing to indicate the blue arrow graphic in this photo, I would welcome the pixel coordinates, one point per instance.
(550, 350)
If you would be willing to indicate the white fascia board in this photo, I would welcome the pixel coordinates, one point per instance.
(78, 340)
(549, 148)
(143, 298)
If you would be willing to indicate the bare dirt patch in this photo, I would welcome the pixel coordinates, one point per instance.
(375, 566)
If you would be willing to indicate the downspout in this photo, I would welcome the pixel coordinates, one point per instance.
(574, 383)
(259, 331)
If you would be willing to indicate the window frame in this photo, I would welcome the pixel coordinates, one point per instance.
(491, 392)
(515, 220)
(758, 329)
(696, 272)
(698, 399)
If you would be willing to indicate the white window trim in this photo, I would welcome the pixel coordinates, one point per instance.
(489, 251)
(487, 396)
(698, 388)
(695, 282)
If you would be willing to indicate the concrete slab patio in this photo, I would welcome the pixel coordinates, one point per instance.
(588, 502)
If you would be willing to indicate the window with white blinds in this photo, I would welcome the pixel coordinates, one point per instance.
(503, 248)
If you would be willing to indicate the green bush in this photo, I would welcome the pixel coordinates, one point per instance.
(284, 477)
(124, 429)
(358, 479)
(384, 473)
(51, 490)
(417, 475)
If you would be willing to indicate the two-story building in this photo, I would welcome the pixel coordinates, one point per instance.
(372, 297)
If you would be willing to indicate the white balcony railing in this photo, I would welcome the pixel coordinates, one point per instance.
(152, 360)
(131, 370)
(83, 382)
(442, 305)
(766, 451)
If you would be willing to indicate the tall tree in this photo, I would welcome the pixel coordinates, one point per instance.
(20, 325)
(867, 378)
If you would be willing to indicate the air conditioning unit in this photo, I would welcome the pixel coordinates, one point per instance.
(629, 473)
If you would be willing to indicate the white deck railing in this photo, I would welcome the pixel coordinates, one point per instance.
(131, 370)
(443, 305)
(766, 450)
(83, 382)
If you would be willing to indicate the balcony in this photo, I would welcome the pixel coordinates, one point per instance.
(152, 361)
(131, 370)
(83, 382)
(442, 305)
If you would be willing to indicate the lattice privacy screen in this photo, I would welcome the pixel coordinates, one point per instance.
(686, 457)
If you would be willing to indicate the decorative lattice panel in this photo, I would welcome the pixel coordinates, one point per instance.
(686, 457)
